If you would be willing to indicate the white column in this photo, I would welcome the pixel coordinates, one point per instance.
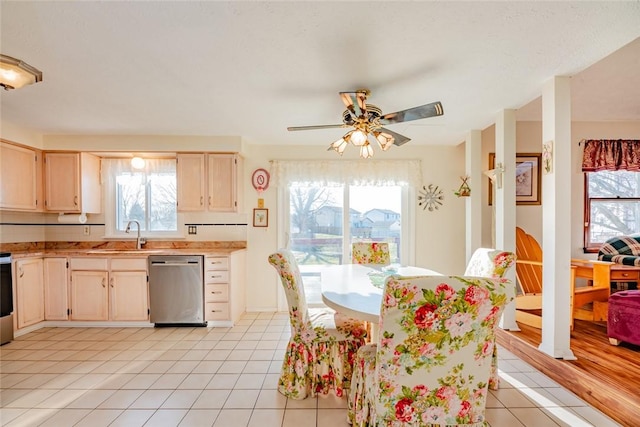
(556, 220)
(505, 200)
(473, 204)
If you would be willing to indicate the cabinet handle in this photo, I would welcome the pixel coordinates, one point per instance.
(214, 277)
(103, 283)
(201, 200)
(216, 292)
(625, 274)
(21, 271)
(111, 282)
(75, 200)
(209, 200)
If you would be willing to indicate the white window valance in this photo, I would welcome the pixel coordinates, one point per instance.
(339, 172)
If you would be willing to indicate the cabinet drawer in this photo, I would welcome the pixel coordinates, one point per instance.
(88, 264)
(131, 264)
(216, 277)
(216, 311)
(216, 293)
(625, 275)
(216, 263)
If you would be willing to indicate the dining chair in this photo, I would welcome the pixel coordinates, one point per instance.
(487, 262)
(370, 253)
(432, 361)
(320, 353)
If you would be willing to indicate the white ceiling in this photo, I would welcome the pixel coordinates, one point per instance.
(251, 69)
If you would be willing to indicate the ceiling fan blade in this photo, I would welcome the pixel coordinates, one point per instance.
(397, 138)
(355, 101)
(422, 112)
(290, 128)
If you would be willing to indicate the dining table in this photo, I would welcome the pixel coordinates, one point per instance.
(355, 290)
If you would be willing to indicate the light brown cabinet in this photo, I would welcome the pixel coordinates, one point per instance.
(29, 288)
(56, 298)
(72, 182)
(20, 178)
(208, 182)
(224, 287)
(118, 293)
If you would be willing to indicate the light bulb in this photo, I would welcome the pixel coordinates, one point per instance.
(366, 150)
(384, 139)
(339, 146)
(358, 137)
(137, 163)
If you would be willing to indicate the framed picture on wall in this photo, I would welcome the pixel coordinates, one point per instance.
(261, 217)
(528, 178)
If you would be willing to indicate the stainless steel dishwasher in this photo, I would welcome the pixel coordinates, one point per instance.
(176, 290)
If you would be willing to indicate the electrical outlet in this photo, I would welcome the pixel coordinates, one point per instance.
(86, 230)
(193, 229)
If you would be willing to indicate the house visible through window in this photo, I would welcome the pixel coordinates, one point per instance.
(612, 206)
(147, 196)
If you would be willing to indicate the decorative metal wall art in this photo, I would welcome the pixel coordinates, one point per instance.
(430, 197)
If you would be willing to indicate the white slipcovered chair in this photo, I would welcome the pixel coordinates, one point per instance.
(323, 343)
(432, 362)
(486, 262)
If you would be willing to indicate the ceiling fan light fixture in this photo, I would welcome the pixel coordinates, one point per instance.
(384, 139)
(366, 150)
(359, 138)
(339, 146)
(15, 73)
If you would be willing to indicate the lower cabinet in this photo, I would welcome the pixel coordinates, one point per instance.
(224, 282)
(116, 292)
(129, 297)
(56, 293)
(29, 289)
(89, 296)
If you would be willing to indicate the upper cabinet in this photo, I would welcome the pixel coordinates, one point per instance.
(72, 182)
(208, 182)
(20, 178)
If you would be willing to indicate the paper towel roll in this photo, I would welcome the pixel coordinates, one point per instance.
(72, 219)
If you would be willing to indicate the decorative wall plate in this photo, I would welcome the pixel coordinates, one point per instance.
(430, 197)
(260, 180)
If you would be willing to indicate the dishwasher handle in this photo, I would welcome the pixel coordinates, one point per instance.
(173, 263)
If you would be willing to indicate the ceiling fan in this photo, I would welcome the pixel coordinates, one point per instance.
(367, 121)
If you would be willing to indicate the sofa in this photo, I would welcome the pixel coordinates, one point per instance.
(621, 250)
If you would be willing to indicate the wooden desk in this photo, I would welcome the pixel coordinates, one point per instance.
(600, 275)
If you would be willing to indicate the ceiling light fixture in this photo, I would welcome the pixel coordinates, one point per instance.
(366, 130)
(15, 73)
(137, 162)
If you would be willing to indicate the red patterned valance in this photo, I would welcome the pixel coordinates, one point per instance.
(611, 154)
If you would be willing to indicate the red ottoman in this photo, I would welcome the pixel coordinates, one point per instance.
(624, 317)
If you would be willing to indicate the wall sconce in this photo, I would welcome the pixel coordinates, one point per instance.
(14, 73)
(495, 175)
(137, 162)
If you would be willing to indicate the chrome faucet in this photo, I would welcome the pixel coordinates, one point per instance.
(139, 240)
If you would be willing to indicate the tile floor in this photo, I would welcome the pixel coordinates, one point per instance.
(212, 377)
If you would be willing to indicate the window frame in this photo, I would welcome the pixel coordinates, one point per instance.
(588, 245)
(111, 217)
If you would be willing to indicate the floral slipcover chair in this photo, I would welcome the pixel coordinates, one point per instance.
(370, 253)
(432, 362)
(323, 343)
(494, 263)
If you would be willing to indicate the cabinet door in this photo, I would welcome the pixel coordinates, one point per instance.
(190, 177)
(221, 182)
(56, 299)
(89, 296)
(29, 291)
(129, 295)
(18, 178)
(62, 182)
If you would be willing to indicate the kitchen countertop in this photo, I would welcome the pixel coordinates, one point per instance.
(122, 249)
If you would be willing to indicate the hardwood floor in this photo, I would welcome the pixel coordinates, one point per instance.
(605, 376)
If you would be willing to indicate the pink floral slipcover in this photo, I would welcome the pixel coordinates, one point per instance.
(370, 253)
(323, 343)
(495, 263)
(432, 362)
